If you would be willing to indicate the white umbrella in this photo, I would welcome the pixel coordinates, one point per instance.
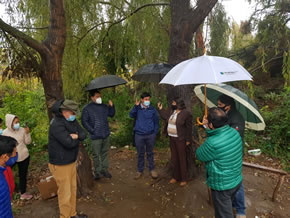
(206, 69)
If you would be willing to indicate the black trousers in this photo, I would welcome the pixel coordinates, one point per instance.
(22, 172)
(222, 201)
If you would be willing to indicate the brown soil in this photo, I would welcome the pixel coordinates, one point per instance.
(122, 196)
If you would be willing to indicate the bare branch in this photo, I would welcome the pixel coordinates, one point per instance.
(91, 29)
(21, 36)
(131, 14)
(32, 28)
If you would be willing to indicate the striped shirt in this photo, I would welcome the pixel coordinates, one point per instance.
(171, 128)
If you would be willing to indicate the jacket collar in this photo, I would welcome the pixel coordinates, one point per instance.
(211, 132)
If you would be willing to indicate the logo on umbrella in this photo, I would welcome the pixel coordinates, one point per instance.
(228, 72)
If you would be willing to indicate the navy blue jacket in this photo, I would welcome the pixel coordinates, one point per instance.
(5, 203)
(95, 119)
(147, 121)
(62, 148)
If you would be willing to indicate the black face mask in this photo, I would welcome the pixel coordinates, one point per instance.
(223, 108)
(173, 107)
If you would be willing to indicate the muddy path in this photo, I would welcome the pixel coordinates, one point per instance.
(124, 197)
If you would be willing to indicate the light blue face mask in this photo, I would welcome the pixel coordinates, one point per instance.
(1, 131)
(12, 160)
(146, 103)
(71, 118)
(16, 126)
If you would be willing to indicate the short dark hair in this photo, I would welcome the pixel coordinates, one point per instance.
(180, 104)
(93, 92)
(227, 100)
(1, 121)
(217, 117)
(7, 145)
(145, 94)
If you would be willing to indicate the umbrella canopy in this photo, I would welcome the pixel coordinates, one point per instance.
(206, 69)
(244, 104)
(152, 72)
(105, 81)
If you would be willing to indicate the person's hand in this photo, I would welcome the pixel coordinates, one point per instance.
(159, 105)
(205, 121)
(74, 136)
(27, 130)
(110, 103)
(187, 143)
(137, 102)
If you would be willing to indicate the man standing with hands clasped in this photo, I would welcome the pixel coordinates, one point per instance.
(95, 120)
(65, 135)
(146, 127)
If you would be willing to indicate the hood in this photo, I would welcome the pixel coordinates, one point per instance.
(9, 120)
(56, 108)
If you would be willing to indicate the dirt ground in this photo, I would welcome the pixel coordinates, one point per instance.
(124, 197)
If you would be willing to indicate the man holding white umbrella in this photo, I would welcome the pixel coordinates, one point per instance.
(206, 70)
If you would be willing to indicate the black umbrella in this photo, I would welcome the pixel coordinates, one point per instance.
(152, 72)
(106, 81)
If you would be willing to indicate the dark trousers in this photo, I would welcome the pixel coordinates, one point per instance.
(22, 171)
(145, 143)
(178, 158)
(223, 200)
(239, 201)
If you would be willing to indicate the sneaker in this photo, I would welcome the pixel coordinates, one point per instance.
(138, 175)
(97, 176)
(80, 216)
(106, 174)
(240, 216)
(26, 196)
(154, 174)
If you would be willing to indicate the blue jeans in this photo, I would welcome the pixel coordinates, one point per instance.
(145, 143)
(239, 201)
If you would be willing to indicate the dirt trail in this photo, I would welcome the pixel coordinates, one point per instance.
(124, 197)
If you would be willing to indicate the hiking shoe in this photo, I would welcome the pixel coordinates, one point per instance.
(97, 176)
(182, 184)
(154, 174)
(138, 175)
(80, 216)
(26, 196)
(172, 181)
(106, 174)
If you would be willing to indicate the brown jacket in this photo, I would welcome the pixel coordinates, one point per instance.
(183, 123)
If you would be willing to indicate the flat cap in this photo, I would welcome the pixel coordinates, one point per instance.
(70, 105)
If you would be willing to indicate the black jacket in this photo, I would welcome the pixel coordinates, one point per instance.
(236, 121)
(95, 119)
(62, 149)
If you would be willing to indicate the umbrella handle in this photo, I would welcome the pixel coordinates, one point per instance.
(198, 121)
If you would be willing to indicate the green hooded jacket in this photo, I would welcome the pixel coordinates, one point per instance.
(223, 157)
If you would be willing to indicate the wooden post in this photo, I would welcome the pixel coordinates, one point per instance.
(278, 186)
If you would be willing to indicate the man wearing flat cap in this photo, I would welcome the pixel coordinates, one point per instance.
(65, 135)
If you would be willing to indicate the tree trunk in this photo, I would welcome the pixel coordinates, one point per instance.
(184, 22)
(51, 52)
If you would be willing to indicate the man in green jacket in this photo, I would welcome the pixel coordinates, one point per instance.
(223, 157)
(236, 121)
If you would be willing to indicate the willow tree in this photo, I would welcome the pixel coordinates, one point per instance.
(50, 50)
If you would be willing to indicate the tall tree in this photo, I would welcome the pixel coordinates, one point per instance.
(50, 50)
(185, 20)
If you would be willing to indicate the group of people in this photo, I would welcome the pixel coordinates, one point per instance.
(222, 151)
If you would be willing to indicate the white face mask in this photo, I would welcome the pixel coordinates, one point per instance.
(99, 100)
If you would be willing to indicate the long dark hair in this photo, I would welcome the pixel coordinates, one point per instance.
(180, 104)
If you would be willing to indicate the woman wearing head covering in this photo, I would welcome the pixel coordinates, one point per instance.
(179, 130)
(23, 138)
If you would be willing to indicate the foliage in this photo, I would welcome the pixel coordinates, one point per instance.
(26, 100)
(219, 31)
(275, 139)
